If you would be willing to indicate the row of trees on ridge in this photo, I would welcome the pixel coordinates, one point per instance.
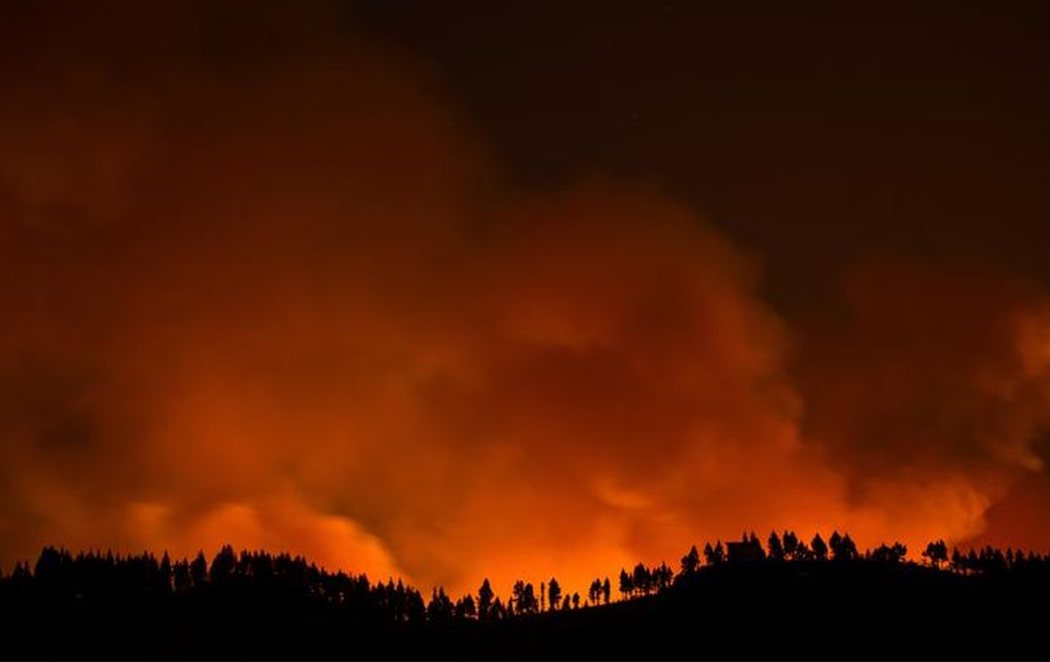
(94, 579)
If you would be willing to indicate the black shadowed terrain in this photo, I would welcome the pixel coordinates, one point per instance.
(792, 601)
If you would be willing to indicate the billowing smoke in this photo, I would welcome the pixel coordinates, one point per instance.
(261, 283)
(930, 388)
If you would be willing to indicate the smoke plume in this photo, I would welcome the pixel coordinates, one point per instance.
(262, 283)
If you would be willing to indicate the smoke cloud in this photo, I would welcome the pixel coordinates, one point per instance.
(262, 283)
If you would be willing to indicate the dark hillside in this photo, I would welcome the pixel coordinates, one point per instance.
(256, 605)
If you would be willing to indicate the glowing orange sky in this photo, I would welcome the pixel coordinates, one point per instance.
(279, 294)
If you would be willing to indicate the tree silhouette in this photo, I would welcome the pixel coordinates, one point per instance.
(140, 588)
(222, 566)
(524, 598)
(498, 611)
(820, 549)
(936, 553)
(899, 551)
(992, 560)
(440, 608)
(164, 579)
(641, 579)
(776, 549)
(485, 595)
(465, 607)
(849, 548)
(714, 555)
(626, 584)
(517, 594)
(754, 541)
(20, 575)
(691, 561)
(554, 591)
(834, 542)
(199, 570)
(842, 547)
(247, 586)
(606, 591)
(790, 546)
(594, 593)
(52, 570)
(530, 605)
(804, 553)
(662, 577)
(887, 554)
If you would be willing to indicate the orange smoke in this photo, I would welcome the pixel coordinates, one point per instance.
(262, 285)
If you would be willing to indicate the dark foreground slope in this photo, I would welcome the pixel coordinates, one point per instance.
(802, 610)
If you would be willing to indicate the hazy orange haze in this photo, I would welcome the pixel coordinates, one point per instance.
(262, 282)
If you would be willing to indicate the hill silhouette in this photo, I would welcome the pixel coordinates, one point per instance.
(742, 600)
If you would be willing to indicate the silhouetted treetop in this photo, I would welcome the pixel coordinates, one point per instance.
(250, 582)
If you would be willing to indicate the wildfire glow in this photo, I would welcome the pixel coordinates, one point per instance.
(289, 301)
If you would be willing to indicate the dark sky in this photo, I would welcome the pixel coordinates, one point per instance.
(811, 131)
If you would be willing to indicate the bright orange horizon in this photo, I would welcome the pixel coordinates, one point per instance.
(294, 300)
